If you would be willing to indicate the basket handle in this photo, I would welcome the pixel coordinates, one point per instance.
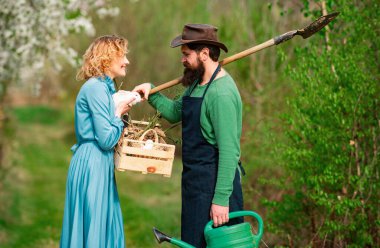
(146, 132)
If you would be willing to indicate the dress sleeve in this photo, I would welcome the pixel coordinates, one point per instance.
(107, 127)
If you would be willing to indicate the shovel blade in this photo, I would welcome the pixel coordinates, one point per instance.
(317, 25)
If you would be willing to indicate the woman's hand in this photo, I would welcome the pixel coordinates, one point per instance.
(143, 89)
(123, 107)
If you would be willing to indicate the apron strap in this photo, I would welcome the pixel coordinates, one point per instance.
(241, 168)
(212, 79)
(209, 82)
(192, 87)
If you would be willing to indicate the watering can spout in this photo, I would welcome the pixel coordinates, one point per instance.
(160, 236)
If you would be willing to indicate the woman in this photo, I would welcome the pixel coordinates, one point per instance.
(92, 215)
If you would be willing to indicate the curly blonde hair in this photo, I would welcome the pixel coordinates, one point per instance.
(98, 57)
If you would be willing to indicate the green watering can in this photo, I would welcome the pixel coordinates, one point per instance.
(239, 235)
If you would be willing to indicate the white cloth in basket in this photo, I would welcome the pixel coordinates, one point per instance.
(126, 96)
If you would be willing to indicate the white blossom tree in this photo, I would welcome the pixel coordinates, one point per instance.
(33, 32)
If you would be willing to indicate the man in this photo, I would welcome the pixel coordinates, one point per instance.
(211, 114)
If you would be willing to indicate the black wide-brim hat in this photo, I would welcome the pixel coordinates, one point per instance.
(198, 33)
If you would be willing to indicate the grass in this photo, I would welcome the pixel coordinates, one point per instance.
(33, 193)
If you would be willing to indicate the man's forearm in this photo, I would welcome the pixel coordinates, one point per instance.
(169, 109)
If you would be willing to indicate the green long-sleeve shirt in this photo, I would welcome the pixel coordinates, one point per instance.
(221, 124)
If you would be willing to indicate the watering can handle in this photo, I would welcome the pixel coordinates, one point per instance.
(236, 214)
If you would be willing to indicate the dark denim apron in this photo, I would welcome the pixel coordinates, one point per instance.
(200, 168)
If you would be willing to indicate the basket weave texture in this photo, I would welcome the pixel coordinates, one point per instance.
(144, 150)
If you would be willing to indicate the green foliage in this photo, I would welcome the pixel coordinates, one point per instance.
(37, 114)
(332, 153)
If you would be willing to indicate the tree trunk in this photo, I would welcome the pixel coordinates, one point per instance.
(2, 142)
(3, 136)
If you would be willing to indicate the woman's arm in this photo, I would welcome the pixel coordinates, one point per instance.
(107, 126)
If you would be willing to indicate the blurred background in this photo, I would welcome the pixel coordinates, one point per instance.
(311, 127)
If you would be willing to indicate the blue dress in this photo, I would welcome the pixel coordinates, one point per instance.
(92, 215)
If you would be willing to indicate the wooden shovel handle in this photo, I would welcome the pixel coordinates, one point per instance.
(225, 61)
(247, 52)
(165, 85)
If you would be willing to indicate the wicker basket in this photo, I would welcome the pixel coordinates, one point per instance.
(144, 155)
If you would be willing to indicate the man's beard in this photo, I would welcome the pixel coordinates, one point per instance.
(190, 75)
